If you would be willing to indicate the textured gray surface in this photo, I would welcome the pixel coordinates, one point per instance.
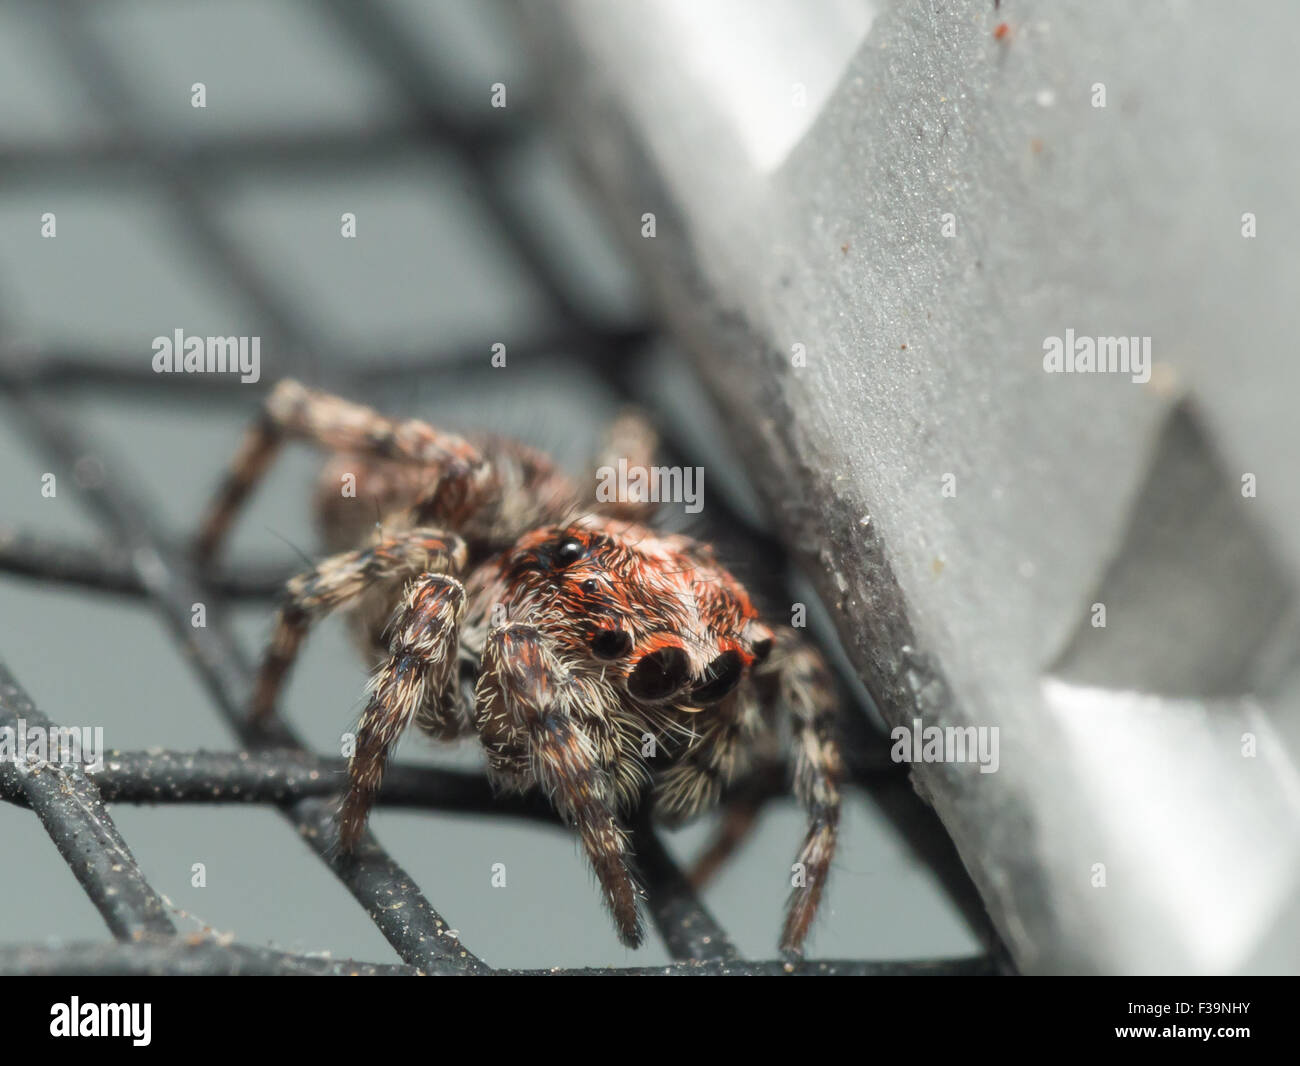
(924, 358)
(426, 274)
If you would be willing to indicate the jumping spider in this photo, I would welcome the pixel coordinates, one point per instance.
(605, 658)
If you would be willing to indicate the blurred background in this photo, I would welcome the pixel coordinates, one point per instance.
(473, 228)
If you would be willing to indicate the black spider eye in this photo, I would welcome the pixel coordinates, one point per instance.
(567, 553)
(611, 643)
(659, 674)
(720, 678)
(591, 586)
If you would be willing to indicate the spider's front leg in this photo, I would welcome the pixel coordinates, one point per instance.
(337, 581)
(799, 683)
(419, 677)
(525, 705)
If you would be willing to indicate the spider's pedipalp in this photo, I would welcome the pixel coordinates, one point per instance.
(718, 753)
(339, 580)
(419, 677)
(802, 687)
(525, 712)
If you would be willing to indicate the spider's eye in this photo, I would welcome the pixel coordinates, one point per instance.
(721, 677)
(591, 586)
(611, 643)
(567, 553)
(659, 674)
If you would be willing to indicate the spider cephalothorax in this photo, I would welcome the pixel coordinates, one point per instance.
(593, 656)
(654, 612)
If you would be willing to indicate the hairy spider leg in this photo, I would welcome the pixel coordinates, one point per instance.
(419, 677)
(292, 411)
(801, 686)
(340, 580)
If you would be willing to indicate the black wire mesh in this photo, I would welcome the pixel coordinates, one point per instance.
(135, 559)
